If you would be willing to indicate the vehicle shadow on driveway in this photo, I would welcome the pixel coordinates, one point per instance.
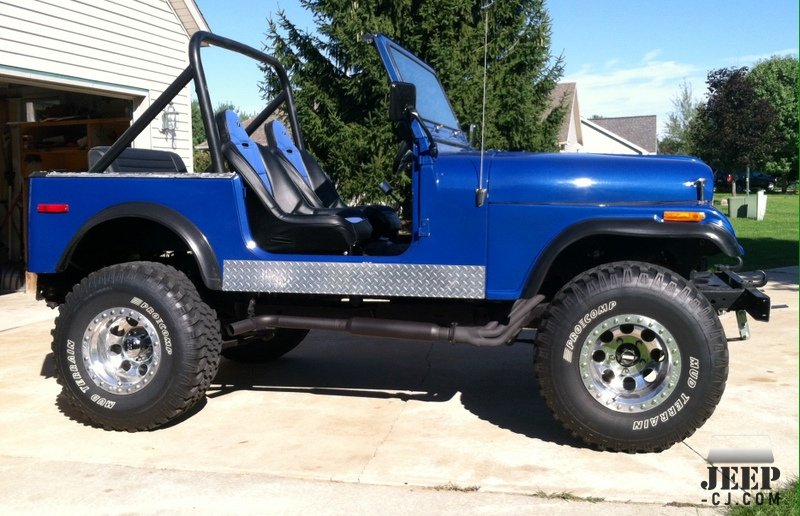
(495, 384)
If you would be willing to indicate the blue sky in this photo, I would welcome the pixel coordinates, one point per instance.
(627, 56)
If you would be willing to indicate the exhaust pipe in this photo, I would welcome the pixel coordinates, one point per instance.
(492, 334)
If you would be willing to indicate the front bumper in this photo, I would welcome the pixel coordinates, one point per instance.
(727, 291)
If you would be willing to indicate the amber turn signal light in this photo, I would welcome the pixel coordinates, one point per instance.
(684, 216)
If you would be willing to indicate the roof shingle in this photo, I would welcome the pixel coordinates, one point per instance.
(640, 130)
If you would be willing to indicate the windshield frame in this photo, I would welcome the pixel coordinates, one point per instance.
(442, 133)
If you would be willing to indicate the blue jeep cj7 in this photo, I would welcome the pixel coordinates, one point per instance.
(157, 272)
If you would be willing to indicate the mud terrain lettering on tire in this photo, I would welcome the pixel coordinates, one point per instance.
(116, 343)
(644, 424)
(73, 367)
(103, 402)
(694, 372)
(584, 321)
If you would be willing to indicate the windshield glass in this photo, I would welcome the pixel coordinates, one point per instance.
(432, 103)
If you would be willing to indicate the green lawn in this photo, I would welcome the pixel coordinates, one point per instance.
(787, 505)
(772, 242)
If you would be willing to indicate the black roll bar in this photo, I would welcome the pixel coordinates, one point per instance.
(195, 72)
(141, 123)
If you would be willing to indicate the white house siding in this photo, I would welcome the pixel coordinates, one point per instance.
(598, 140)
(573, 141)
(112, 46)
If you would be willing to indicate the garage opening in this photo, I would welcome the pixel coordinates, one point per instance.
(46, 127)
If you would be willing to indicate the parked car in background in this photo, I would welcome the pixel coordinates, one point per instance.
(758, 181)
(722, 181)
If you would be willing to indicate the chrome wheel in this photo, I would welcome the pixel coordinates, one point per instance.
(630, 363)
(122, 350)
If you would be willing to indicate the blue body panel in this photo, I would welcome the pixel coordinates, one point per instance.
(532, 199)
(213, 205)
(520, 233)
(216, 206)
(517, 177)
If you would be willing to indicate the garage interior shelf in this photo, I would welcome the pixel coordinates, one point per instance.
(63, 144)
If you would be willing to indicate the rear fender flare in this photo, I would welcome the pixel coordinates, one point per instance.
(194, 239)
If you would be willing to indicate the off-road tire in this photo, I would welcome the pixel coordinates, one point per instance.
(267, 349)
(135, 347)
(627, 303)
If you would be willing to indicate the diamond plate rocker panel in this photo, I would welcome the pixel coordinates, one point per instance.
(355, 279)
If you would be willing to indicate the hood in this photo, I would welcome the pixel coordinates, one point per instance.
(521, 177)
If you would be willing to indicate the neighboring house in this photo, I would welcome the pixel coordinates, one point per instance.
(641, 131)
(570, 138)
(74, 74)
(598, 139)
(623, 135)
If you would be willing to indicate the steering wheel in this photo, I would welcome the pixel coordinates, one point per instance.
(402, 158)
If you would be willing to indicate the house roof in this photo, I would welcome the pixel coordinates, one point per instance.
(639, 130)
(190, 16)
(614, 136)
(563, 92)
(259, 135)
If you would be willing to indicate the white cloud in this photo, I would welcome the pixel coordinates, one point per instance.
(646, 88)
(752, 59)
(650, 56)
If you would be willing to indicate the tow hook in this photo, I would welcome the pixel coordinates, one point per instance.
(744, 328)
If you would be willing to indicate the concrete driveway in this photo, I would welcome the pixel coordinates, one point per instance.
(344, 424)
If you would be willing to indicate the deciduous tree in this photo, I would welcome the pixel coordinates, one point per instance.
(201, 158)
(735, 128)
(775, 80)
(684, 108)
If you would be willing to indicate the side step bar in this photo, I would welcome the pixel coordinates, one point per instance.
(492, 334)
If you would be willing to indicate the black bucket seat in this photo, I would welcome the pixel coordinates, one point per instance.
(288, 224)
(317, 187)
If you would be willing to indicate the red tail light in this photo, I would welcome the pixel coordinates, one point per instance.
(52, 208)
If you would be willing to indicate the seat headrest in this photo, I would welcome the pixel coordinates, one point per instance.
(231, 131)
(281, 141)
(139, 160)
(230, 127)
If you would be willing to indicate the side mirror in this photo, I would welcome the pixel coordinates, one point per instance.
(402, 99)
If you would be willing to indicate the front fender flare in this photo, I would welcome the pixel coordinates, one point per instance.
(642, 228)
(167, 217)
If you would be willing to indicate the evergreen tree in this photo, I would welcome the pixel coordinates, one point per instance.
(341, 87)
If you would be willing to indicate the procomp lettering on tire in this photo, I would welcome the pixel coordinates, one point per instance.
(135, 346)
(159, 322)
(579, 328)
(631, 357)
